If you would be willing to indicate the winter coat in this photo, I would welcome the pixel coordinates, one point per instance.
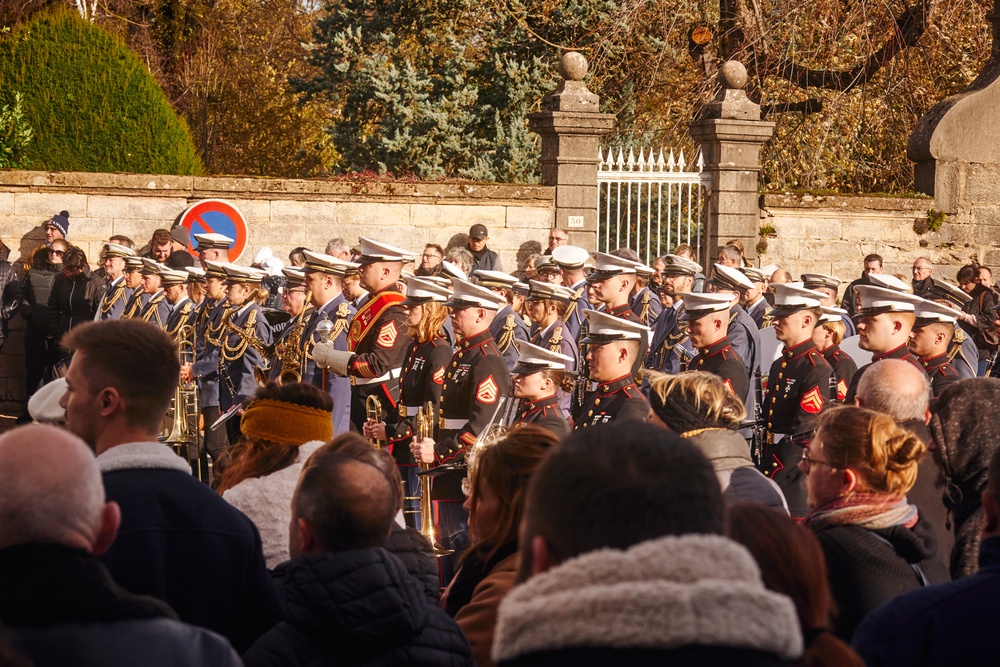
(864, 571)
(267, 501)
(415, 553)
(63, 608)
(741, 482)
(950, 624)
(36, 287)
(75, 299)
(182, 543)
(357, 607)
(478, 617)
(11, 292)
(486, 260)
(678, 600)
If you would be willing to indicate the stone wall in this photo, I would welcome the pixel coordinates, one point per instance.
(281, 214)
(832, 235)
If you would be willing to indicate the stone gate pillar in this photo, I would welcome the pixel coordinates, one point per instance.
(731, 135)
(956, 151)
(571, 126)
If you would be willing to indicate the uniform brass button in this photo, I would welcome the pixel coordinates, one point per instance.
(770, 412)
(784, 364)
(604, 388)
(780, 376)
(590, 414)
(459, 355)
(597, 401)
(774, 465)
(454, 364)
(585, 425)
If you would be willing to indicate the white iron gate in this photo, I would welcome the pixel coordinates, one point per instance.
(649, 204)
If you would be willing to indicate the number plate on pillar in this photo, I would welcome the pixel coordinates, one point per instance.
(574, 221)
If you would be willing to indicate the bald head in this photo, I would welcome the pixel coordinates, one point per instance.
(896, 388)
(51, 491)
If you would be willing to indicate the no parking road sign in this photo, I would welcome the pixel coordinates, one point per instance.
(218, 216)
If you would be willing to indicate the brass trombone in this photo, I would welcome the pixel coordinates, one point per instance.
(184, 435)
(425, 422)
(373, 408)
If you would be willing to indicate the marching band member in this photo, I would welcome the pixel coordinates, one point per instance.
(137, 297)
(829, 286)
(826, 337)
(545, 304)
(175, 292)
(293, 302)
(507, 326)
(798, 387)
(538, 376)
(570, 260)
(116, 294)
(475, 382)
(929, 341)
(245, 337)
(208, 341)
(420, 383)
(157, 310)
(377, 339)
(612, 347)
(670, 339)
(213, 248)
(644, 304)
(708, 320)
(324, 281)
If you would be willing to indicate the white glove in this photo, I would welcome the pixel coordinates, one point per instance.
(336, 361)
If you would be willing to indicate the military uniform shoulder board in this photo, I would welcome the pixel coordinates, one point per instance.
(959, 336)
(767, 321)
(555, 343)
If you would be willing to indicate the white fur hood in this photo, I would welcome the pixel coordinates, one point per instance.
(666, 593)
(141, 456)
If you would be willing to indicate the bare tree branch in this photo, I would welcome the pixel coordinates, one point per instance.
(910, 26)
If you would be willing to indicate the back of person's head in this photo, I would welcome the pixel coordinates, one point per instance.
(338, 246)
(731, 252)
(507, 466)
(346, 503)
(884, 454)
(50, 489)
(837, 328)
(694, 400)
(74, 258)
(138, 359)
(791, 563)
(280, 419)
(353, 445)
(684, 250)
(625, 253)
(896, 388)
(616, 485)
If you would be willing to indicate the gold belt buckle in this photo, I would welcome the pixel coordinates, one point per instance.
(402, 411)
(441, 424)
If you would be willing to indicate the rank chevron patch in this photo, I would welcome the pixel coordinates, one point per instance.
(387, 335)
(841, 390)
(487, 391)
(812, 401)
(439, 376)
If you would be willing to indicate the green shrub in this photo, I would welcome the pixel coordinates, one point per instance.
(91, 102)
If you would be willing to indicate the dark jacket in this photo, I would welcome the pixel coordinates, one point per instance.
(486, 259)
(357, 608)
(181, 542)
(63, 608)
(75, 299)
(864, 571)
(11, 292)
(950, 624)
(36, 287)
(415, 553)
(741, 482)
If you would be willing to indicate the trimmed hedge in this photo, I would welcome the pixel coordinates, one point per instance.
(91, 102)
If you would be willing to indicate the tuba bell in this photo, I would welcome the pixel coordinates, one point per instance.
(425, 422)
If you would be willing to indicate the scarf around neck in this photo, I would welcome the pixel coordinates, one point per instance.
(873, 511)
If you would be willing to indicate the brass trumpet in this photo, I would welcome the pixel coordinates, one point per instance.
(373, 408)
(425, 423)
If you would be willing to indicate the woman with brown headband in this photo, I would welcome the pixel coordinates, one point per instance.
(498, 476)
(859, 467)
(281, 427)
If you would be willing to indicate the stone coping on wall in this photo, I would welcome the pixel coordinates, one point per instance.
(205, 187)
(915, 203)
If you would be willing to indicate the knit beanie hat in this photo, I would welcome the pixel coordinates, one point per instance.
(285, 422)
(965, 442)
(180, 234)
(677, 413)
(61, 222)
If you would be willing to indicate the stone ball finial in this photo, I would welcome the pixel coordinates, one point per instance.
(733, 74)
(573, 66)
